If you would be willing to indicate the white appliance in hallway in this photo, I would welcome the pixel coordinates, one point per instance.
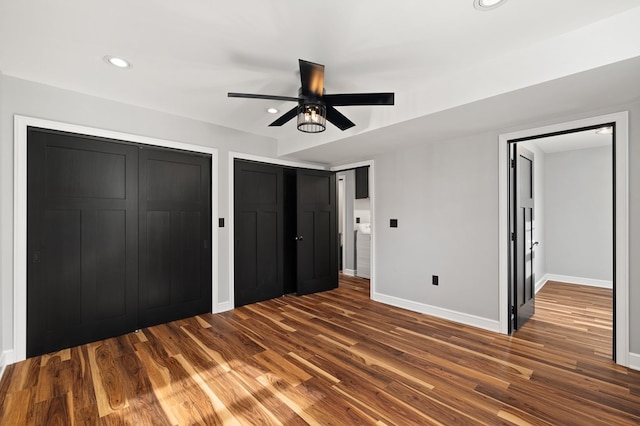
(363, 250)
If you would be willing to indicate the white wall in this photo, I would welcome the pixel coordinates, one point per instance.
(579, 213)
(362, 210)
(349, 177)
(539, 229)
(5, 236)
(41, 101)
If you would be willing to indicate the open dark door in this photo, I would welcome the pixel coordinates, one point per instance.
(317, 254)
(523, 243)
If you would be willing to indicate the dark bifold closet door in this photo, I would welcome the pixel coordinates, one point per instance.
(317, 251)
(258, 271)
(175, 235)
(82, 240)
(118, 238)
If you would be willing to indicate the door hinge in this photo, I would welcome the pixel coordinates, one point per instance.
(513, 309)
(513, 163)
(513, 236)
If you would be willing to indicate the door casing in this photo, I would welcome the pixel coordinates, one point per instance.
(21, 123)
(621, 220)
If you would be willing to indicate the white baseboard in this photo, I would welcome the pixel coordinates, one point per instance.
(350, 272)
(540, 283)
(223, 307)
(4, 361)
(573, 280)
(634, 361)
(459, 317)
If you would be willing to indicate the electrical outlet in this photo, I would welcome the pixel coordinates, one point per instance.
(434, 279)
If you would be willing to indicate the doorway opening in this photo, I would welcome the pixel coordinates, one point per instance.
(561, 220)
(619, 259)
(354, 230)
(356, 212)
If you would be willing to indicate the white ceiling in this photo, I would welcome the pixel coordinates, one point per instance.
(572, 141)
(438, 57)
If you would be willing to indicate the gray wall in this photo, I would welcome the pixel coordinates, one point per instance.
(445, 196)
(579, 213)
(40, 101)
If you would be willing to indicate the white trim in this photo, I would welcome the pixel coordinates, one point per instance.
(230, 304)
(540, 283)
(455, 316)
(621, 270)
(349, 272)
(277, 161)
(351, 166)
(372, 207)
(634, 361)
(3, 362)
(20, 211)
(590, 282)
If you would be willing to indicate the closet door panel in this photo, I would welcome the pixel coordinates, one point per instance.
(82, 218)
(175, 235)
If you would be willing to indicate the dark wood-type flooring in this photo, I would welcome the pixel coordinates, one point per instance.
(337, 358)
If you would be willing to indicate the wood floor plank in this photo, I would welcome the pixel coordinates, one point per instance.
(338, 358)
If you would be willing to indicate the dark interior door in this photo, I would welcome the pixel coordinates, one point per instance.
(82, 197)
(317, 253)
(524, 280)
(175, 235)
(259, 232)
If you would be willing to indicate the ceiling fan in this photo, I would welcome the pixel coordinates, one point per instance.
(314, 106)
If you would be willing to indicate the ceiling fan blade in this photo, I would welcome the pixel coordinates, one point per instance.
(254, 96)
(285, 117)
(311, 77)
(340, 121)
(344, 99)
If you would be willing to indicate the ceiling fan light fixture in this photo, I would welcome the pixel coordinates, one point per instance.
(312, 118)
(488, 4)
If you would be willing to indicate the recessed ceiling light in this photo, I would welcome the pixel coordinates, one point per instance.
(117, 62)
(488, 4)
(272, 110)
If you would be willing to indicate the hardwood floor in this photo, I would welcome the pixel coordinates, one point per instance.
(337, 358)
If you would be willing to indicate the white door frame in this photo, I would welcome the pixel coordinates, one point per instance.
(19, 351)
(371, 165)
(621, 190)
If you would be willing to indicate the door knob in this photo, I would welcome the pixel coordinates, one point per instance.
(535, 243)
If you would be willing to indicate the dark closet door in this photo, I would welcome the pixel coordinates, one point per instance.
(258, 232)
(317, 231)
(82, 196)
(175, 235)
